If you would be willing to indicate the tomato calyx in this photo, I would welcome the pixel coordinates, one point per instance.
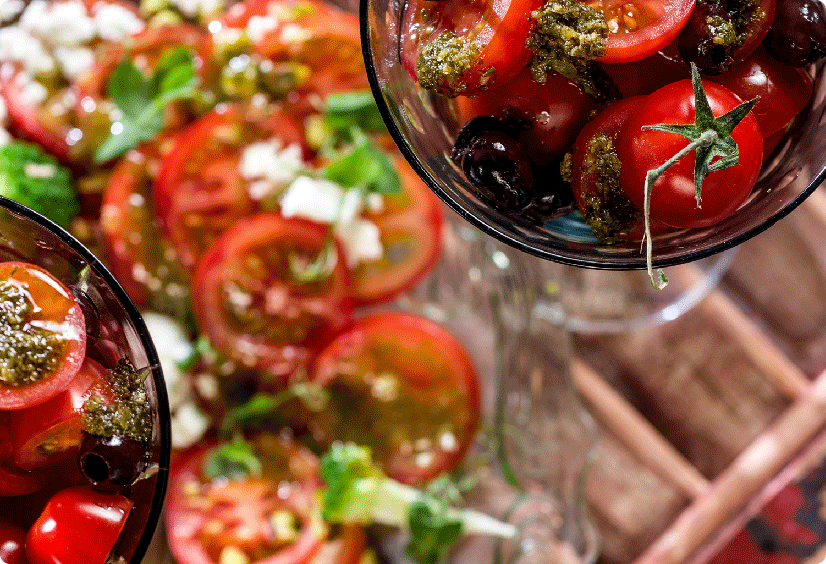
(709, 137)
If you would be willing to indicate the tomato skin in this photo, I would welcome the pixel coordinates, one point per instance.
(12, 543)
(662, 21)
(554, 111)
(50, 431)
(78, 526)
(55, 304)
(638, 78)
(500, 28)
(672, 196)
(436, 393)
(252, 259)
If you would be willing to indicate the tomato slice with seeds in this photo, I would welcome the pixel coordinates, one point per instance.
(206, 518)
(410, 230)
(640, 28)
(200, 191)
(251, 304)
(403, 386)
(499, 29)
(52, 310)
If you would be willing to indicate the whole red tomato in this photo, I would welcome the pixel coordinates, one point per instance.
(12, 543)
(673, 199)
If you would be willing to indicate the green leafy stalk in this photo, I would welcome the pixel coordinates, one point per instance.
(142, 99)
(710, 137)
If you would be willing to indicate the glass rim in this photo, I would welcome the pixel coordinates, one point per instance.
(162, 475)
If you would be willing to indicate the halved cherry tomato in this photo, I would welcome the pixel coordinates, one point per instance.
(78, 526)
(54, 309)
(13, 480)
(128, 222)
(639, 29)
(12, 543)
(499, 29)
(207, 518)
(200, 190)
(405, 387)
(49, 431)
(410, 229)
(552, 112)
(673, 200)
(251, 304)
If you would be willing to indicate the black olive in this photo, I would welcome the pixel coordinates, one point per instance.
(111, 463)
(554, 196)
(798, 33)
(470, 130)
(697, 44)
(497, 165)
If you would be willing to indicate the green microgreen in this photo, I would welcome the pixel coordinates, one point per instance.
(710, 137)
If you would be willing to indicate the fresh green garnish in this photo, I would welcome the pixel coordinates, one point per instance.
(263, 406)
(366, 166)
(34, 178)
(232, 460)
(709, 137)
(358, 492)
(345, 109)
(142, 100)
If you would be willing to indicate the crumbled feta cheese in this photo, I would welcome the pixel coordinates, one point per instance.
(18, 46)
(259, 26)
(74, 61)
(361, 241)
(173, 347)
(188, 425)
(374, 202)
(294, 33)
(195, 8)
(113, 22)
(10, 9)
(270, 166)
(32, 92)
(39, 170)
(61, 23)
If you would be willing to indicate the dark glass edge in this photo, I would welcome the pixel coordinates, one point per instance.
(162, 476)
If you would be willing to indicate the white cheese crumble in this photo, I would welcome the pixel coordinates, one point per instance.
(188, 425)
(259, 26)
(10, 9)
(270, 167)
(18, 46)
(60, 24)
(114, 22)
(199, 8)
(173, 347)
(294, 33)
(74, 61)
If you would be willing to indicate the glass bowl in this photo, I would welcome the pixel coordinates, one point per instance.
(114, 330)
(424, 127)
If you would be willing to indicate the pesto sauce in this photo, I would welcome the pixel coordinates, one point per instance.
(27, 353)
(129, 416)
(443, 62)
(567, 36)
(743, 14)
(608, 212)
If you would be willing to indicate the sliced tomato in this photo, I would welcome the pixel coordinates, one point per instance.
(47, 432)
(410, 229)
(403, 386)
(497, 30)
(54, 309)
(206, 518)
(200, 190)
(639, 29)
(252, 306)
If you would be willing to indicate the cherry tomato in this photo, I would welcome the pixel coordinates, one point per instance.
(549, 114)
(207, 518)
(783, 90)
(637, 78)
(78, 526)
(49, 431)
(150, 274)
(499, 29)
(252, 305)
(14, 481)
(673, 199)
(639, 29)
(410, 229)
(403, 386)
(12, 543)
(200, 191)
(53, 306)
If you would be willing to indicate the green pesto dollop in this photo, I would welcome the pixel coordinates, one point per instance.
(608, 211)
(567, 37)
(27, 353)
(444, 60)
(131, 413)
(736, 31)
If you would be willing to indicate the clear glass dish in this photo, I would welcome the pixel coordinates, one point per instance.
(424, 127)
(114, 330)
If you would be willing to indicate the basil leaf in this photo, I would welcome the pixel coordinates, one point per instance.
(129, 89)
(231, 460)
(431, 533)
(365, 165)
(175, 68)
(357, 108)
(116, 145)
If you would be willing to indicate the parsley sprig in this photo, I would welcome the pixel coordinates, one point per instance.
(709, 137)
(142, 100)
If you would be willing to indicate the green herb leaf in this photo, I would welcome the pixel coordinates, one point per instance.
(431, 533)
(129, 89)
(356, 108)
(318, 269)
(232, 460)
(254, 411)
(367, 166)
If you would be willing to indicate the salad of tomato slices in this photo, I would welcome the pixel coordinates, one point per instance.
(234, 173)
(533, 92)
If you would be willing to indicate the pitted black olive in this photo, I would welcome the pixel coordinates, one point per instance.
(553, 195)
(470, 130)
(708, 39)
(497, 165)
(798, 33)
(111, 463)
